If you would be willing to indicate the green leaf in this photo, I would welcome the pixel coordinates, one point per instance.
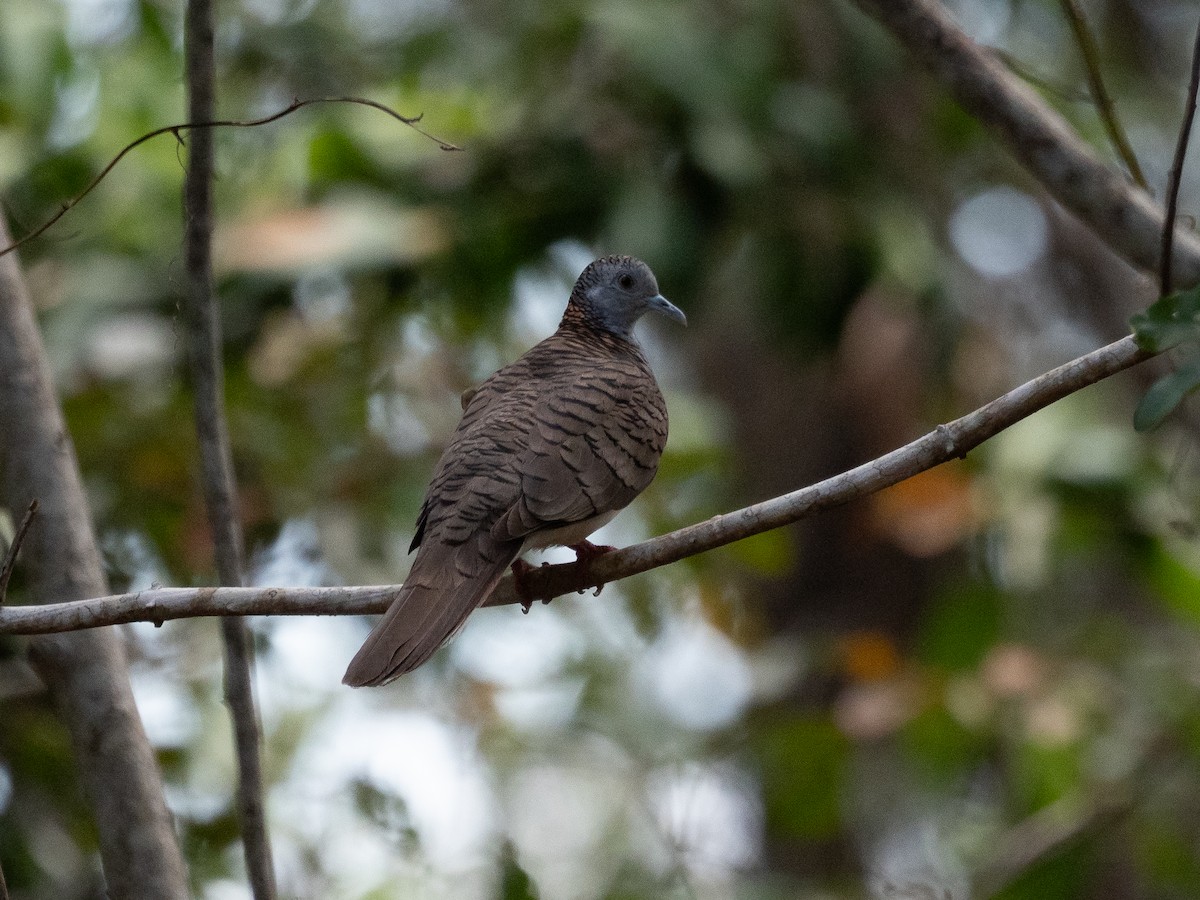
(803, 762)
(941, 747)
(333, 157)
(1167, 854)
(769, 554)
(1166, 394)
(1056, 876)
(960, 625)
(515, 883)
(1170, 321)
(1177, 586)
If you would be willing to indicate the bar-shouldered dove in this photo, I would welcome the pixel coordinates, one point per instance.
(549, 449)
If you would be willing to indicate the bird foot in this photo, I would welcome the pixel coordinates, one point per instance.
(520, 569)
(586, 551)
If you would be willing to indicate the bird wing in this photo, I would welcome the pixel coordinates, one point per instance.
(555, 438)
(594, 445)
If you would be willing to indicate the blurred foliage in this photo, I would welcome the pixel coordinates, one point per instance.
(1170, 322)
(878, 702)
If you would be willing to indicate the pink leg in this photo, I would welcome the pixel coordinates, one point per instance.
(586, 551)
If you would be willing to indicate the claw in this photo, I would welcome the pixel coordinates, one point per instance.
(586, 551)
(520, 569)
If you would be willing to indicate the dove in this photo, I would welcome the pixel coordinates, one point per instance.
(550, 448)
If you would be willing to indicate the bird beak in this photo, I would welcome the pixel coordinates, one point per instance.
(661, 304)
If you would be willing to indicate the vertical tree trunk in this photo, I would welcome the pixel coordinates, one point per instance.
(202, 314)
(86, 672)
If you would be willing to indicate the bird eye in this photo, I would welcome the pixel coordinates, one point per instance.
(626, 282)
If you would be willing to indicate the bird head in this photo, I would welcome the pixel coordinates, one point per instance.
(615, 291)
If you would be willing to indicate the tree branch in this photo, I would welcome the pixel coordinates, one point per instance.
(1046, 832)
(1051, 829)
(946, 442)
(1124, 216)
(1176, 176)
(85, 673)
(220, 489)
(10, 561)
(195, 125)
(1104, 104)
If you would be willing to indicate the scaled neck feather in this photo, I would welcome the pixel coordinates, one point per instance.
(582, 316)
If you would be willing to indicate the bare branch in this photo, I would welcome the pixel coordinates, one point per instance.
(220, 489)
(10, 562)
(3, 886)
(1053, 828)
(198, 125)
(1100, 96)
(1124, 216)
(85, 673)
(946, 442)
(1046, 832)
(166, 604)
(950, 441)
(1173, 180)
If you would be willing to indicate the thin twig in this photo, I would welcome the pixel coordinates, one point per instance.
(1047, 832)
(1123, 215)
(1053, 828)
(199, 125)
(1176, 176)
(1043, 83)
(946, 442)
(14, 548)
(220, 488)
(1100, 95)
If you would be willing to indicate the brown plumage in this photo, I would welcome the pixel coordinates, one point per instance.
(549, 448)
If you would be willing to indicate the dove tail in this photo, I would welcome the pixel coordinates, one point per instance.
(424, 615)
